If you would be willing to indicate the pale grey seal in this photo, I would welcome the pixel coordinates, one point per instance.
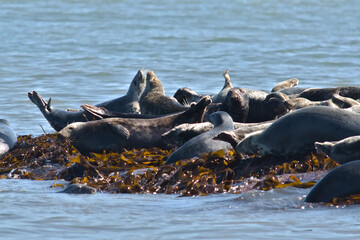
(204, 143)
(7, 137)
(342, 151)
(295, 133)
(285, 84)
(340, 182)
(153, 100)
(113, 134)
(59, 119)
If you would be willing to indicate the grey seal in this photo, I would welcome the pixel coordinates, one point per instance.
(342, 151)
(153, 100)
(295, 133)
(113, 134)
(285, 84)
(204, 143)
(185, 96)
(59, 119)
(78, 188)
(7, 137)
(340, 182)
(179, 135)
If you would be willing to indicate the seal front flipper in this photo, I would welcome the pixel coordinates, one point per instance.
(119, 130)
(229, 137)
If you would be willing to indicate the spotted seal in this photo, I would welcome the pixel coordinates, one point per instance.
(7, 137)
(204, 143)
(113, 134)
(295, 133)
(340, 182)
(342, 151)
(59, 119)
(153, 100)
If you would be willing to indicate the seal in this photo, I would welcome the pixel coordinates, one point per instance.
(204, 143)
(78, 188)
(340, 182)
(285, 84)
(321, 94)
(7, 137)
(113, 134)
(236, 104)
(264, 107)
(186, 96)
(336, 101)
(342, 151)
(295, 133)
(219, 97)
(59, 119)
(179, 135)
(153, 100)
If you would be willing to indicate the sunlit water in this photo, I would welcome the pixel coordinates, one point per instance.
(88, 51)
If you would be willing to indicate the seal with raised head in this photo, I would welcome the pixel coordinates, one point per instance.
(236, 104)
(204, 143)
(285, 84)
(7, 137)
(113, 134)
(295, 133)
(59, 119)
(153, 100)
(342, 151)
(340, 182)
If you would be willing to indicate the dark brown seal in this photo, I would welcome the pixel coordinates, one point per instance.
(113, 134)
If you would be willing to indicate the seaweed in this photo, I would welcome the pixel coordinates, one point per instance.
(144, 171)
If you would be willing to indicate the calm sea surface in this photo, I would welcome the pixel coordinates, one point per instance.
(80, 52)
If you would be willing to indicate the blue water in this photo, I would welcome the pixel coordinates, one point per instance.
(80, 52)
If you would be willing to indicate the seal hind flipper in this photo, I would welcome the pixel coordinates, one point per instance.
(99, 112)
(45, 107)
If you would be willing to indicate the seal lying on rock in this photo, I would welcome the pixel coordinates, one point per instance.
(265, 107)
(153, 100)
(179, 135)
(7, 137)
(59, 119)
(340, 182)
(321, 94)
(295, 133)
(113, 134)
(236, 104)
(185, 96)
(204, 143)
(342, 151)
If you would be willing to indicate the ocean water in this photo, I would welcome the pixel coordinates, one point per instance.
(78, 52)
